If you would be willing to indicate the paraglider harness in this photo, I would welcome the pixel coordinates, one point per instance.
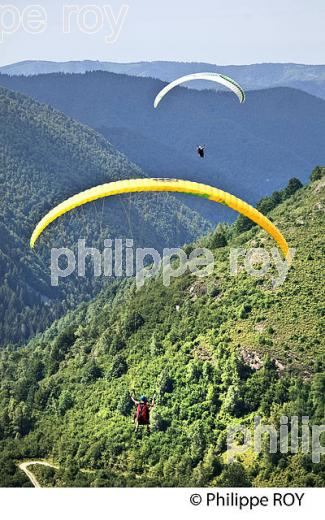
(142, 414)
(201, 151)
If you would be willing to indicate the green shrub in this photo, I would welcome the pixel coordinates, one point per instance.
(118, 368)
(91, 372)
(65, 402)
(317, 173)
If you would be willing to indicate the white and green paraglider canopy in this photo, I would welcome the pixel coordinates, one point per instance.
(207, 76)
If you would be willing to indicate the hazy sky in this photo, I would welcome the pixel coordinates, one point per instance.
(217, 31)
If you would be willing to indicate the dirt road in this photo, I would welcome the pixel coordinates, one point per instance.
(24, 467)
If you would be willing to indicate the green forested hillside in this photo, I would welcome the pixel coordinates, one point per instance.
(44, 158)
(216, 351)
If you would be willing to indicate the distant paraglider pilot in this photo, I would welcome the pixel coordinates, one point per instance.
(142, 417)
(201, 151)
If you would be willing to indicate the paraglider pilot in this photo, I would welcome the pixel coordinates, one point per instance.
(201, 151)
(142, 417)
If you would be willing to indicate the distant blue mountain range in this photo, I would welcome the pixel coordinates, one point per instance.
(310, 78)
(252, 149)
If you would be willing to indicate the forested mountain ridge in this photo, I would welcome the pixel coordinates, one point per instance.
(252, 149)
(216, 351)
(46, 157)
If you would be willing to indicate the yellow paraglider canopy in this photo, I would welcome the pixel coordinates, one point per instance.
(171, 185)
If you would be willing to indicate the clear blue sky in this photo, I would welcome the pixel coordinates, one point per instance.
(216, 31)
